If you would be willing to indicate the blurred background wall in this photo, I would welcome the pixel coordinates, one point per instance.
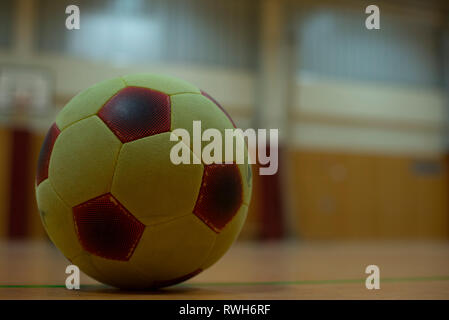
(362, 113)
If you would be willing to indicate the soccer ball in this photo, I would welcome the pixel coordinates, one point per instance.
(112, 201)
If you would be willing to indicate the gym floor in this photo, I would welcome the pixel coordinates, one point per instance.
(288, 270)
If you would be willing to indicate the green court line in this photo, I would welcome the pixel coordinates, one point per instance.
(311, 282)
(262, 283)
(28, 286)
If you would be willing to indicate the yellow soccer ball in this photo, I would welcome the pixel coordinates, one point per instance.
(114, 203)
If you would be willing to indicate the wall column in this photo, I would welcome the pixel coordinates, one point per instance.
(24, 27)
(273, 97)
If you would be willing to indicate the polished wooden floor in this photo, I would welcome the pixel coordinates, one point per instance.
(409, 270)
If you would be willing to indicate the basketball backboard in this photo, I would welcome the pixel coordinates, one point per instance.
(25, 91)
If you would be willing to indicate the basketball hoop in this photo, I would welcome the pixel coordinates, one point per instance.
(25, 94)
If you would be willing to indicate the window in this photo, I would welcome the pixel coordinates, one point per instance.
(335, 43)
(6, 21)
(189, 31)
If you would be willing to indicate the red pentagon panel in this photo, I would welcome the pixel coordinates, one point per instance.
(136, 112)
(220, 195)
(45, 153)
(106, 229)
(218, 105)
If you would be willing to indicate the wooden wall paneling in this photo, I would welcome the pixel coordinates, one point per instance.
(430, 194)
(339, 195)
(5, 149)
(397, 216)
(312, 196)
(36, 230)
(357, 181)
